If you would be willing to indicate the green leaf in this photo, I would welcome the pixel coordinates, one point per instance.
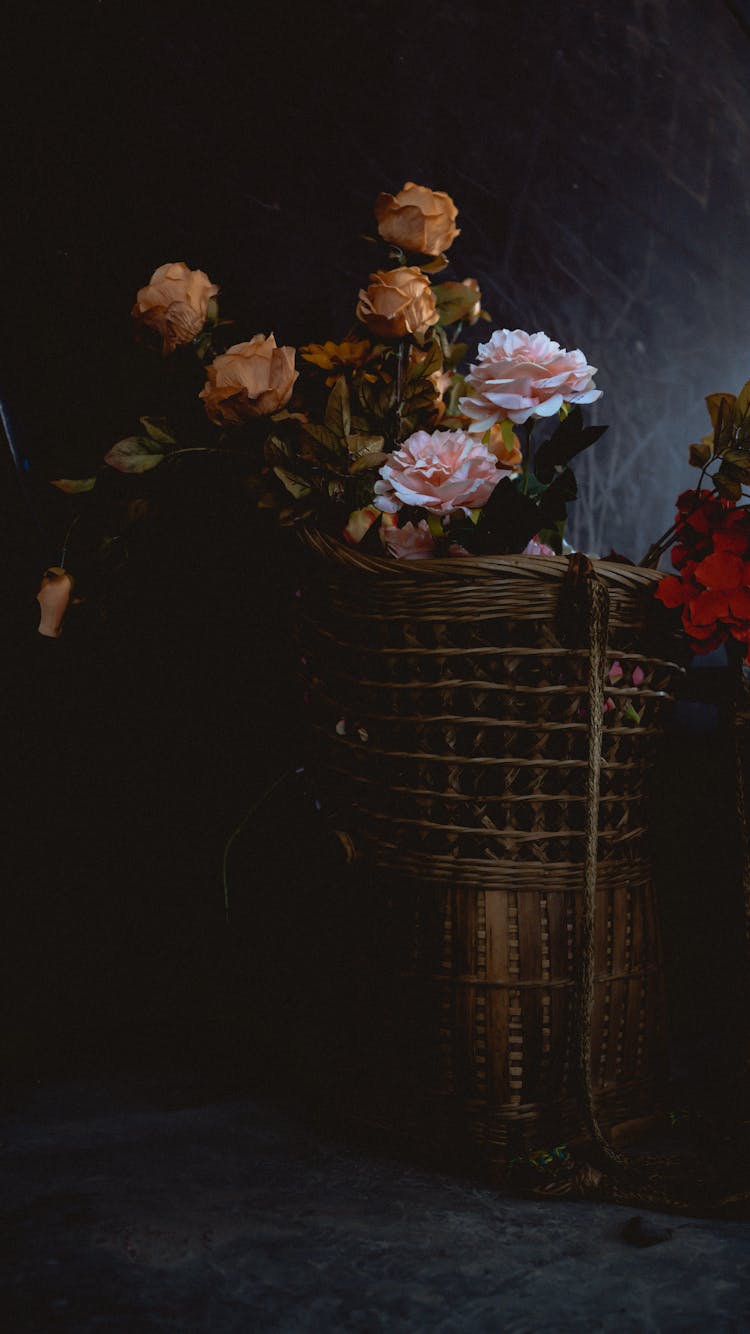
(457, 353)
(365, 462)
(570, 439)
(742, 402)
(338, 417)
(631, 714)
(553, 536)
(363, 444)
(135, 454)
(728, 486)
(294, 485)
(720, 405)
(435, 265)
(699, 455)
(324, 437)
(74, 486)
(738, 461)
(156, 429)
(553, 503)
(420, 396)
(421, 370)
(454, 301)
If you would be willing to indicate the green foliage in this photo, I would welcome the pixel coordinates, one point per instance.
(569, 439)
(454, 302)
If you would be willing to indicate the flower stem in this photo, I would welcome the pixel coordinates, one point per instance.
(527, 457)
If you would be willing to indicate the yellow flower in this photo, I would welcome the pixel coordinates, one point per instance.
(336, 356)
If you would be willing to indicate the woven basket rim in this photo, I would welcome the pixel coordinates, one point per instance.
(469, 569)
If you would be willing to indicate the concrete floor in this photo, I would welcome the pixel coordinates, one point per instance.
(138, 1203)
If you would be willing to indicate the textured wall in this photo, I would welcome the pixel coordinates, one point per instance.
(599, 155)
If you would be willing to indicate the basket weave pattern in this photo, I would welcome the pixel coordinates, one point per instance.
(451, 747)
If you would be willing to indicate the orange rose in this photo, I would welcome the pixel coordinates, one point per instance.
(417, 219)
(397, 302)
(250, 380)
(174, 304)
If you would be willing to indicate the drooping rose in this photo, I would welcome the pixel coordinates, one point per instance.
(174, 304)
(413, 542)
(249, 380)
(417, 219)
(53, 598)
(441, 472)
(520, 375)
(397, 302)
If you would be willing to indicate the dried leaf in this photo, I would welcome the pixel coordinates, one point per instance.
(296, 486)
(699, 455)
(74, 486)
(135, 454)
(155, 428)
(338, 418)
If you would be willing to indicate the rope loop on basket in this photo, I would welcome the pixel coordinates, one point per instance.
(583, 615)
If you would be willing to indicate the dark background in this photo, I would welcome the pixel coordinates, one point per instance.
(599, 156)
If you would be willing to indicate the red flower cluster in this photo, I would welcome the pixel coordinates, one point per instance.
(712, 554)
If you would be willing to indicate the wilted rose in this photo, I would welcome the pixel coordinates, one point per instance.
(417, 219)
(397, 302)
(520, 375)
(441, 472)
(249, 380)
(174, 304)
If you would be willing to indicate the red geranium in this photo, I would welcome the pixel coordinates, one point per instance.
(712, 554)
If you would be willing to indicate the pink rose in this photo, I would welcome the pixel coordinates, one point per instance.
(537, 548)
(441, 472)
(174, 304)
(412, 542)
(522, 375)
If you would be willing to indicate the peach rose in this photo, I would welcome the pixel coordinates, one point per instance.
(249, 380)
(53, 598)
(413, 542)
(441, 472)
(520, 375)
(174, 304)
(397, 302)
(417, 219)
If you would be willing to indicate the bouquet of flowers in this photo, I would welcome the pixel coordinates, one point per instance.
(381, 438)
(710, 537)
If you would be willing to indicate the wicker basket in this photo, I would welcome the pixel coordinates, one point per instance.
(451, 749)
